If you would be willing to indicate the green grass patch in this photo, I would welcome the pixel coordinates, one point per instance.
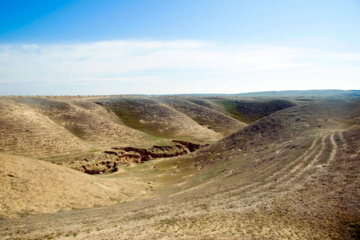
(133, 113)
(352, 122)
(93, 150)
(169, 221)
(249, 111)
(77, 131)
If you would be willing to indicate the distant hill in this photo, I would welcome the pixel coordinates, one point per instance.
(285, 93)
(303, 93)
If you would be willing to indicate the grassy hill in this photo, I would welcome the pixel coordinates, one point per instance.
(251, 110)
(205, 116)
(158, 119)
(26, 131)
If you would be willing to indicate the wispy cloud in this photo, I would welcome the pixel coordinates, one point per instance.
(162, 61)
(114, 79)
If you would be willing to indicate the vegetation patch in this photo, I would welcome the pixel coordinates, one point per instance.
(352, 122)
(143, 217)
(77, 131)
(133, 113)
(249, 111)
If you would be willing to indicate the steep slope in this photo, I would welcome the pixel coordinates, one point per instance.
(207, 117)
(250, 110)
(28, 132)
(158, 119)
(86, 120)
(206, 102)
(244, 109)
(31, 186)
(69, 129)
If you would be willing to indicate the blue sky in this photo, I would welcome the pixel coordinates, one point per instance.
(159, 47)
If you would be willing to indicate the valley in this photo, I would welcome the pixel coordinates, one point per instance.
(180, 167)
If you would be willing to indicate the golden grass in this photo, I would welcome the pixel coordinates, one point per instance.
(30, 186)
(291, 175)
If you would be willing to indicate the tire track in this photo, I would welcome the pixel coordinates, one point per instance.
(334, 148)
(271, 190)
(296, 161)
(273, 181)
(307, 161)
(317, 156)
(342, 139)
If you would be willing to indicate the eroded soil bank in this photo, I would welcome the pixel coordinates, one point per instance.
(108, 161)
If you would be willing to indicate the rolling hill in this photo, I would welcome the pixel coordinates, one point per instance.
(31, 186)
(291, 173)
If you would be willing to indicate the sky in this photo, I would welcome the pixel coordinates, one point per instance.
(93, 47)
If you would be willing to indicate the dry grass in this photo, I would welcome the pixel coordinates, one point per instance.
(26, 131)
(291, 175)
(158, 119)
(32, 186)
(212, 119)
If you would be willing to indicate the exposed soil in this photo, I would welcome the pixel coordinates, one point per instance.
(108, 161)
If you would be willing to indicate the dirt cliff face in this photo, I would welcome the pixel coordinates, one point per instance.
(108, 161)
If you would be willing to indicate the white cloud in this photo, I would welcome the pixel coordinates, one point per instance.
(161, 61)
(144, 79)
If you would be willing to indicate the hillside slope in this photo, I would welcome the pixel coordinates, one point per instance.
(31, 186)
(244, 109)
(215, 120)
(26, 131)
(72, 127)
(86, 120)
(158, 119)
